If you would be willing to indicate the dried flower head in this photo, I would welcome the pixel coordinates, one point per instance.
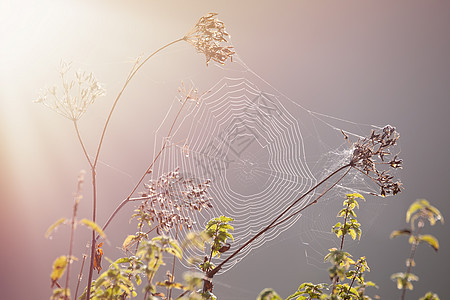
(208, 36)
(76, 95)
(171, 200)
(189, 94)
(369, 155)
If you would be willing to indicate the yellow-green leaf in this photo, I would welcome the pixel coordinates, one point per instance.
(128, 241)
(430, 240)
(396, 233)
(59, 266)
(417, 205)
(93, 226)
(54, 226)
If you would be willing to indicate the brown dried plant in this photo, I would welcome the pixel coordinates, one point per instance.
(209, 37)
(170, 201)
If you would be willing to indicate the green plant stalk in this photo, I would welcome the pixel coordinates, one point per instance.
(345, 223)
(172, 277)
(211, 273)
(336, 278)
(411, 256)
(97, 155)
(353, 279)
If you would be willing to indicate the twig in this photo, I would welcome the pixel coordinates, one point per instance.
(80, 275)
(75, 123)
(313, 202)
(172, 276)
(72, 231)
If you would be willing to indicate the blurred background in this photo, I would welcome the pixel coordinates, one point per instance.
(375, 62)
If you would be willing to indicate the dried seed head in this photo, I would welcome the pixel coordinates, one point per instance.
(209, 37)
(172, 199)
(369, 157)
(76, 95)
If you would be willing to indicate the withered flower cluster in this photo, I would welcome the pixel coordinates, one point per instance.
(370, 155)
(208, 36)
(171, 200)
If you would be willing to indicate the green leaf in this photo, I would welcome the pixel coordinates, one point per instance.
(225, 219)
(430, 296)
(430, 240)
(355, 195)
(138, 279)
(268, 294)
(128, 241)
(94, 227)
(412, 239)
(54, 226)
(59, 266)
(417, 205)
(123, 260)
(396, 233)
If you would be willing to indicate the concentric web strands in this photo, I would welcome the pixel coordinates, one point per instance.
(259, 150)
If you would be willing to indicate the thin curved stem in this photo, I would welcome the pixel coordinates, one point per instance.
(97, 155)
(130, 77)
(75, 123)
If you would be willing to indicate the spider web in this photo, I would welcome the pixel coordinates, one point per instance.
(261, 151)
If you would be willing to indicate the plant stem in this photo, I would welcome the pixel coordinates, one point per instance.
(80, 275)
(93, 243)
(411, 256)
(311, 203)
(75, 123)
(97, 155)
(345, 223)
(211, 273)
(172, 277)
(353, 279)
(130, 76)
(128, 199)
(72, 232)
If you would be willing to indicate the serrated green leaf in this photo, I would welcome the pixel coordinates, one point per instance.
(430, 240)
(93, 226)
(352, 233)
(54, 226)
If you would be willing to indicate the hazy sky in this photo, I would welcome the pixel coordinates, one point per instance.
(371, 62)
